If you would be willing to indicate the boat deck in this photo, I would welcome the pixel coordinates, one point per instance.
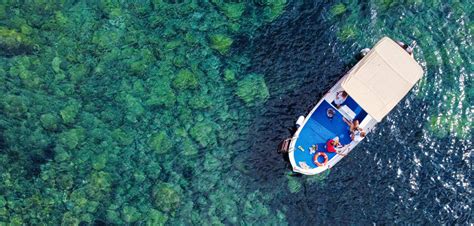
(319, 128)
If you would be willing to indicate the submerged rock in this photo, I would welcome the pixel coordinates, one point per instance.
(233, 10)
(156, 217)
(71, 138)
(254, 209)
(161, 95)
(122, 137)
(130, 214)
(14, 106)
(49, 121)
(185, 80)
(133, 106)
(69, 113)
(338, 9)
(203, 132)
(99, 162)
(294, 185)
(56, 64)
(211, 163)
(201, 101)
(229, 75)
(70, 218)
(14, 43)
(188, 148)
(166, 197)
(252, 89)
(160, 143)
(347, 32)
(101, 180)
(221, 43)
(273, 8)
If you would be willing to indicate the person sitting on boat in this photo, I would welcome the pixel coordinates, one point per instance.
(341, 96)
(333, 145)
(357, 133)
(353, 126)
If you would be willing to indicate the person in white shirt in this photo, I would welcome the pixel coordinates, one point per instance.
(341, 96)
(357, 133)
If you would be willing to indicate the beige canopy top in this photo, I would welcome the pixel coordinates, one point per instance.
(382, 78)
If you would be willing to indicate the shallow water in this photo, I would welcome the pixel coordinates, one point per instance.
(102, 122)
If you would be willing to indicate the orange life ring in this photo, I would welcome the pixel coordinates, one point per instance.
(316, 156)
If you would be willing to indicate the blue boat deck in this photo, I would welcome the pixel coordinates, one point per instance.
(319, 129)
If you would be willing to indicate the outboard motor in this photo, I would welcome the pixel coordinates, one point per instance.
(284, 145)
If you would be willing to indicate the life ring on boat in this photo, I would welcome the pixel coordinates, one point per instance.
(316, 156)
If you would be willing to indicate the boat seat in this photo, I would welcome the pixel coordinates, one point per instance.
(359, 113)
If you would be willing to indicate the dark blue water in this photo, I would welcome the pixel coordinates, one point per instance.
(401, 173)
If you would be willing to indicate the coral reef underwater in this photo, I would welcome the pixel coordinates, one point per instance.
(117, 112)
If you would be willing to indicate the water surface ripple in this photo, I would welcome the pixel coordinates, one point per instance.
(416, 166)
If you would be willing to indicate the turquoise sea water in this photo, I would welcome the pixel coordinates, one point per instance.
(169, 112)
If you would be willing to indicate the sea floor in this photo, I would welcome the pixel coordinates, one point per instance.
(170, 112)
